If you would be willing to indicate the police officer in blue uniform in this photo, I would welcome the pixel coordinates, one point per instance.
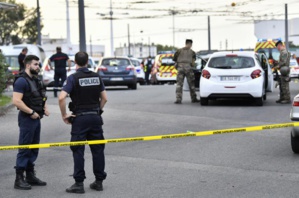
(60, 62)
(29, 97)
(88, 96)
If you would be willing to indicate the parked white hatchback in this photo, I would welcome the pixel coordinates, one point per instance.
(236, 75)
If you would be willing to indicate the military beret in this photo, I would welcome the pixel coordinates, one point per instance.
(277, 43)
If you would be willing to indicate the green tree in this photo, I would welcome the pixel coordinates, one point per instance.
(165, 48)
(29, 30)
(9, 21)
(18, 25)
(3, 73)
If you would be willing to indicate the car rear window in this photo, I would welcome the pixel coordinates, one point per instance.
(234, 62)
(116, 62)
(135, 63)
(167, 61)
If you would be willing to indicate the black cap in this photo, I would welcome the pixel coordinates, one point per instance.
(277, 43)
(189, 41)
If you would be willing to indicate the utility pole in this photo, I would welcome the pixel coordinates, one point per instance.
(129, 43)
(68, 29)
(39, 36)
(149, 46)
(226, 44)
(209, 35)
(286, 27)
(111, 30)
(82, 34)
(173, 12)
(90, 46)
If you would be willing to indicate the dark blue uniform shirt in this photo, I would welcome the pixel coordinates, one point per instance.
(21, 85)
(70, 82)
(60, 60)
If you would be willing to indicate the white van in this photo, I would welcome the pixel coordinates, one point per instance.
(11, 53)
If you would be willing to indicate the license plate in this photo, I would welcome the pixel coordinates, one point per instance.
(116, 79)
(230, 78)
(166, 74)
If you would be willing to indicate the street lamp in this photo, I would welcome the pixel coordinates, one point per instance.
(111, 27)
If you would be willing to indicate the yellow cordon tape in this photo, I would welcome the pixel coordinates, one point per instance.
(156, 137)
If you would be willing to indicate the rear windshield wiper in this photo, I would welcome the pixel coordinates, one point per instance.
(223, 67)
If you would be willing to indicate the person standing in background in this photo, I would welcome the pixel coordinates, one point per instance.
(21, 58)
(60, 62)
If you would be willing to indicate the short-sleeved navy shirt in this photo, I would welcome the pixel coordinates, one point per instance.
(60, 60)
(70, 82)
(21, 85)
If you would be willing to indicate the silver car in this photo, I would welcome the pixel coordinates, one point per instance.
(295, 131)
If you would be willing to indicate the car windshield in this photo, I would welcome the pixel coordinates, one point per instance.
(167, 61)
(116, 62)
(271, 53)
(136, 63)
(235, 62)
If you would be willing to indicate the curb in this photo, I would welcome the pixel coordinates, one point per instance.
(5, 109)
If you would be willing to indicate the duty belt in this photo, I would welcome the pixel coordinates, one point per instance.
(87, 113)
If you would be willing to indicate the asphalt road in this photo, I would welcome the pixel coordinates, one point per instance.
(259, 164)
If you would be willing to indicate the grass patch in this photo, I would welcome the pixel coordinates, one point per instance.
(4, 100)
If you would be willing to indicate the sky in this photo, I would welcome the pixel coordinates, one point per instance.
(234, 24)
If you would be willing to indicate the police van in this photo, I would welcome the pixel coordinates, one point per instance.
(164, 68)
(267, 47)
(12, 52)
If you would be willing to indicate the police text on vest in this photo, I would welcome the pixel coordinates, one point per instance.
(89, 81)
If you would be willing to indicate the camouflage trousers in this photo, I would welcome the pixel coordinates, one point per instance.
(284, 88)
(185, 71)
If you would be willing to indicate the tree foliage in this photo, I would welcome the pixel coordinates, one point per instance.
(4, 75)
(165, 48)
(18, 25)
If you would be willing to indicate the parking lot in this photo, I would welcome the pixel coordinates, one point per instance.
(259, 164)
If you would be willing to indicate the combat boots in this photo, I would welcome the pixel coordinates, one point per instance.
(195, 100)
(33, 180)
(20, 182)
(97, 185)
(178, 102)
(77, 187)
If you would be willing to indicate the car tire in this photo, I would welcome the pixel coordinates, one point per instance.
(295, 143)
(142, 83)
(259, 101)
(204, 101)
(133, 86)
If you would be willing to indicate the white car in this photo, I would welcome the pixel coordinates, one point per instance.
(294, 68)
(139, 70)
(48, 74)
(236, 75)
(294, 115)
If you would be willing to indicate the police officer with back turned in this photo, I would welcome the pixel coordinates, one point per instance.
(284, 80)
(29, 97)
(88, 96)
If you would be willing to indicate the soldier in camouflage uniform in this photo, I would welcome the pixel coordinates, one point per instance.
(185, 61)
(283, 66)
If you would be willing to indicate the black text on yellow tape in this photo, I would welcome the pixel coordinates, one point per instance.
(156, 137)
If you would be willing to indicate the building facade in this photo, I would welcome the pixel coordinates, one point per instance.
(269, 29)
(137, 50)
(49, 45)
